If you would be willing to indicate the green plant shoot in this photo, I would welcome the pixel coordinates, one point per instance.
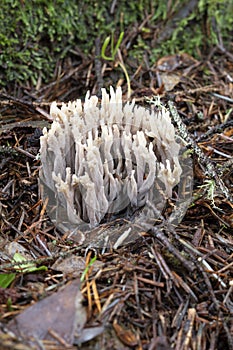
(114, 51)
(87, 268)
(26, 266)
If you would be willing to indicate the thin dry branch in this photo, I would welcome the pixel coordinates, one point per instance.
(204, 161)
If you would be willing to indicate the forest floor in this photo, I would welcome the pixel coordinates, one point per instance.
(172, 288)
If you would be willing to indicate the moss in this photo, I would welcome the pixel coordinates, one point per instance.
(35, 35)
(198, 31)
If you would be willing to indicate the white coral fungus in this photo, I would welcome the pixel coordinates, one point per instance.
(99, 160)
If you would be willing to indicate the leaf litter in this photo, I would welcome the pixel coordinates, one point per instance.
(171, 288)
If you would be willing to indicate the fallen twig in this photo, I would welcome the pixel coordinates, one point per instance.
(203, 160)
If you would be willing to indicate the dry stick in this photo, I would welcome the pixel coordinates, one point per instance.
(215, 129)
(226, 167)
(203, 160)
(30, 105)
(223, 50)
(162, 238)
(182, 12)
(198, 265)
(98, 65)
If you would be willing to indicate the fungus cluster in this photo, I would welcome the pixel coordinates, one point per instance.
(101, 159)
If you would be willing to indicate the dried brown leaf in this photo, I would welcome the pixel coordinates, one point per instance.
(61, 313)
